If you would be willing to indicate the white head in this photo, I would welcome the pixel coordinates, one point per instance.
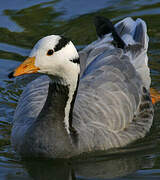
(54, 55)
(57, 56)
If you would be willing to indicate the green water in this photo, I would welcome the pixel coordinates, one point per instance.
(22, 23)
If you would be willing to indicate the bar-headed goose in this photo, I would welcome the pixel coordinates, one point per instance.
(96, 102)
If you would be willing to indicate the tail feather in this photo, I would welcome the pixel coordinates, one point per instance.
(125, 26)
(134, 34)
(131, 36)
(140, 34)
(124, 32)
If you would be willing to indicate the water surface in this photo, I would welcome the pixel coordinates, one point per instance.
(23, 22)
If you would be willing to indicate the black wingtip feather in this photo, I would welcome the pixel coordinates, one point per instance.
(10, 75)
(104, 26)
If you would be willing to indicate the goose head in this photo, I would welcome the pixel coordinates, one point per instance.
(53, 55)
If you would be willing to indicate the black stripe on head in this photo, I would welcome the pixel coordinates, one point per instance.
(62, 43)
(76, 60)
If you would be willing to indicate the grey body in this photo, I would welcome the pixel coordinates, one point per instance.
(112, 106)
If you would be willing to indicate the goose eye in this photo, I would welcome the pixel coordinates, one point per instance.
(50, 52)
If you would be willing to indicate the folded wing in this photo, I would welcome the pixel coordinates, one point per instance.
(113, 105)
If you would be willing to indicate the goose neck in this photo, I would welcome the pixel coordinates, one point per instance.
(72, 86)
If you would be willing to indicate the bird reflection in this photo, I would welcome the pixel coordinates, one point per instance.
(49, 170)
(100, 167)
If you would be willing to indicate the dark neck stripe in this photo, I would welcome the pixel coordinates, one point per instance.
(57, 97)
(76, 60)
(73, 132)
(62, 43)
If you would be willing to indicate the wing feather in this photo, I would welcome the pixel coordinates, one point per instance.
(32, 100)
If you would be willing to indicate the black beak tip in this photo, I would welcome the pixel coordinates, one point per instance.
(10, 75)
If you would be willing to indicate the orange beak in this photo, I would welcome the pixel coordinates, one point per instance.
(27, 67)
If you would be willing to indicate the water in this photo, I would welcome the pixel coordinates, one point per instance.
(23, 22)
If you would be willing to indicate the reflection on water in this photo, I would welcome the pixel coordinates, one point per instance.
(24, 22)
(102, 167)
